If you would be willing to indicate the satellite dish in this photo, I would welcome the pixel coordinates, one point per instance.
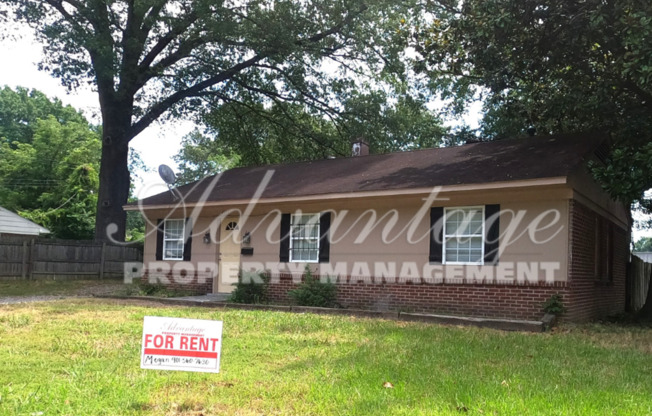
(167, 174)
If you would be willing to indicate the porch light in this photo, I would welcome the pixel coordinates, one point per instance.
(207, 238)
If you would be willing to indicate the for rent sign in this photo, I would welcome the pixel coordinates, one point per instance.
(181, 344)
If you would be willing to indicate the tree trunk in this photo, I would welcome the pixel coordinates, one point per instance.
(110, 223)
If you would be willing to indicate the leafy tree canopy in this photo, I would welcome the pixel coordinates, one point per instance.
(21, 108)
(154, 58)
(51, 177)
(643, 244)
(554, 65)
(245, 134)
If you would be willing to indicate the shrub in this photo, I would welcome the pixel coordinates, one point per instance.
(312, 292)
(251, 288)
(554, 305)
(151, 289)
(157, 289)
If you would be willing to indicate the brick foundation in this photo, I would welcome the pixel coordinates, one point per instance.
(518, 301)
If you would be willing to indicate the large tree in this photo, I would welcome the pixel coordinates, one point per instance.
(553, 66)
(246, 134)
(150, 58)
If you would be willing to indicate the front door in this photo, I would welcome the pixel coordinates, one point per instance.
(229, 255)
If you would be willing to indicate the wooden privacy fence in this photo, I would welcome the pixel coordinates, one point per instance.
(50, 259)
(640, 274)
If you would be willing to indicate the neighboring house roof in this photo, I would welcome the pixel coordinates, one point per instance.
(12, 223)
(477, 163)
(646, 256)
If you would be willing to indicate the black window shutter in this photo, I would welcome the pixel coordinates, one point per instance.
(284, 255)
(159, 239)
(436, 234)
(492, 233)
(187, 247)
(324, 240)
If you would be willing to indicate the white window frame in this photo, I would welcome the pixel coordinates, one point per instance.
(165, 239)
(318, 239)
(445, 235)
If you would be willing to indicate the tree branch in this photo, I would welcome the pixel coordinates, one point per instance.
(164, 105)
(289, 79)
(131, 50)
(183, 51)
(159, 108)
(150, 17)
(104, 83)
(265, 115)
(164, 41)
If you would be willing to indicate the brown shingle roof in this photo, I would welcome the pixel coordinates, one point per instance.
(477, 163)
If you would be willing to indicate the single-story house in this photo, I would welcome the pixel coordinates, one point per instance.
(16, 227)
(484, 229)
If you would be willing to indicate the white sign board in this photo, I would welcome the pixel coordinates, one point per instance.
(181, 344)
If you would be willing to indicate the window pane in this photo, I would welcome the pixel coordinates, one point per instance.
(173, 249)
(173, 229)
(464, 241)
(464, 221)
(304, 231)
(451, 225)
(451, 255)
(173, 239)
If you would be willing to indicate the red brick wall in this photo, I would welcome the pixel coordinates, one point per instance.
(593, 296)
(195, 284)
(489, 300)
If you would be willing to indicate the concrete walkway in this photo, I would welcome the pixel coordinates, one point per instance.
(9, 300)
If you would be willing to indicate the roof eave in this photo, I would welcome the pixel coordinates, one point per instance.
(524, 183)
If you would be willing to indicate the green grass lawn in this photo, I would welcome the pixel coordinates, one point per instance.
(54, 287)
(81, 357)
